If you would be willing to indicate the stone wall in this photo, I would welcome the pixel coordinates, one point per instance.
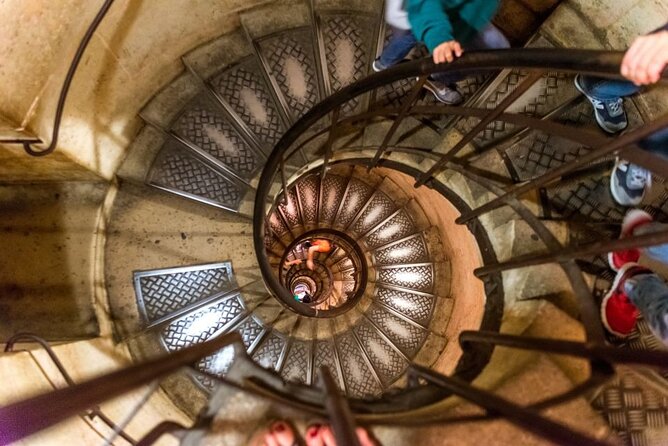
(612, 25)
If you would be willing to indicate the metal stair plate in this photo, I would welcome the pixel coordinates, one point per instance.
(308, 190)
(209, 130)
(161, 292)
(406, 336)
(177, 171)
(359, 378)
(290, 61)
(378, 209)
(324, 354)
(410, 250)
(347, 44)
(297, 364)
(387, 360)
(414, 277)
(356, 197)
(201, 325)
(418, 307)
(269, 352)
(244, 89)
(399, 226)
(333, 188)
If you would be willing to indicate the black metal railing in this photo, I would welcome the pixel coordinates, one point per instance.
(64, 91)
(327, 137)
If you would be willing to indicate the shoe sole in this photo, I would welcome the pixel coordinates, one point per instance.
(633, 218)
(616, 197)
(615, 283)
(435, 93)
(602, 124)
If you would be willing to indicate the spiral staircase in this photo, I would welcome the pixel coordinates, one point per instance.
(253, 137)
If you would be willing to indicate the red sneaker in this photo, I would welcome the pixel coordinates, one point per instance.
(617, 312)
(632, 219)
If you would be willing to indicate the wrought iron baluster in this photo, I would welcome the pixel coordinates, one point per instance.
(490, 117)
(35, 414)
(598, 152)
(525, 418)
(330, 140)
(403, 112)
(343, 423)
(572, 252)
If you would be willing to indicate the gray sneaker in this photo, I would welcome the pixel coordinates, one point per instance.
(628, 183)
(610, 114)
(445, 93)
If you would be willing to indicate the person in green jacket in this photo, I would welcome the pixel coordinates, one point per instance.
(447, 28)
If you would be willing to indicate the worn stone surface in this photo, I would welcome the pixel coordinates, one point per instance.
(46, 269)
(149, 229)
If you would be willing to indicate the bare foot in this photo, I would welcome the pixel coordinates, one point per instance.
(279, 434)
(319, 435)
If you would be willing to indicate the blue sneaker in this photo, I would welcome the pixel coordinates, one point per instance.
(610, 114)
(628, 183)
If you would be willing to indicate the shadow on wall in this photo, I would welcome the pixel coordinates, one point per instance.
(47, 236)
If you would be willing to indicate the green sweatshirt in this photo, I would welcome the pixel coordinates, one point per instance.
(437, 21)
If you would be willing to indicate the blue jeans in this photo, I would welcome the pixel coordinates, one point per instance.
(401, 43)
(649, 293)
(658, 252)
(610, 90)
(489, 38)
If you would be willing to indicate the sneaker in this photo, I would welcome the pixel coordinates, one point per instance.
(377, 66)
(629, 182)
(632, 219)
(610, 114)
(618, 314)
(444, 93)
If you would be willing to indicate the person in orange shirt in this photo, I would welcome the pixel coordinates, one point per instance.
(317, 245)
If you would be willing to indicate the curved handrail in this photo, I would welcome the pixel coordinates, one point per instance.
(591, 62)
(94, 411)
(27, 145)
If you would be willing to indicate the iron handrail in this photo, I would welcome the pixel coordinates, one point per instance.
(60, 107)
(92, 412)
(591, 62)
(23, 418)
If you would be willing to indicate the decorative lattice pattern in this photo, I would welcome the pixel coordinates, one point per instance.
(419, 278)
(163, 294)
(346, 51)
(412, 250)
(360, 381)
(291, 209)
(333, 188)
(396, 228)
(631, 410)
(380, 207)
(249, 330)
(324, 355)
(406, 336)
(358, 194)
(296, 362)
(291, 62)
(389, 364)
(309, 189)
(243, 87)
(201, 325)
(269, 352)
(179, 171)
(211, 132)
(417, 307)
